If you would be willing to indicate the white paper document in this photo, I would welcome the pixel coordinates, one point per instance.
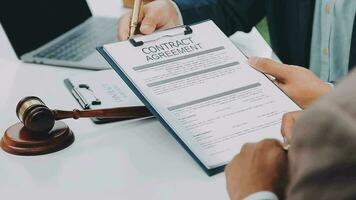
(203, 88)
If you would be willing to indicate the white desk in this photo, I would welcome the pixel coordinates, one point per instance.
(125, 160)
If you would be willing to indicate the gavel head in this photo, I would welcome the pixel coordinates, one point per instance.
(35, 115)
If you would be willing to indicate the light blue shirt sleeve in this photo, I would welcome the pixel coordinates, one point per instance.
(264, 195)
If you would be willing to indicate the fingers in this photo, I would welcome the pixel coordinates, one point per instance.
(268, 143)
(123, 27)
(148, 26)
(147, 23)
(150, 21)
(288, 122)
(154, 15)
(246, 147)
(280, 71)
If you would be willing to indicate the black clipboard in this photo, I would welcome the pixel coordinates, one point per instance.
(135, 43)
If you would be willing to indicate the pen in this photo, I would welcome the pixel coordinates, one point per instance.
(135, 16)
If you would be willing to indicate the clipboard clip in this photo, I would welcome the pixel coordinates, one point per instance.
(81, 98)
(187, 31)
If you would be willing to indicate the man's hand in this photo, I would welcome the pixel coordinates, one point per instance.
(258, 167)
(288, 122)
(299, 83)
(159, 14)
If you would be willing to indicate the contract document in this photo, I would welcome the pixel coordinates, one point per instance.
(200, 87)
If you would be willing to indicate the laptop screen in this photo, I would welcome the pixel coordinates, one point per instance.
(30, 24)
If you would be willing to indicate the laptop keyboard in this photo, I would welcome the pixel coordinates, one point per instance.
(81, 43)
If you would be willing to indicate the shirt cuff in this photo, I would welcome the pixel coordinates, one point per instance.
(179, 13)
(264, 195)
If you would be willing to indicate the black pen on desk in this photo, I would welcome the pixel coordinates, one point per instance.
(135, 16)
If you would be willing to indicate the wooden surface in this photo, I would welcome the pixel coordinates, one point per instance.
(18, 140)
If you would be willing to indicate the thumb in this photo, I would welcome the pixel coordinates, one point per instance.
(123, 27)
(288, 121)
(280, 71)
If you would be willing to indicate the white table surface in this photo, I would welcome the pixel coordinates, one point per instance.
(125, 160)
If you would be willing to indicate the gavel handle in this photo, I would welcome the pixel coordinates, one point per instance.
(120, 113)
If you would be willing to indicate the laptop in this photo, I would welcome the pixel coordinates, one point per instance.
(57, 32)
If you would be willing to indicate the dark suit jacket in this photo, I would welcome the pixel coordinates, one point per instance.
(323, 148)
(290, 23)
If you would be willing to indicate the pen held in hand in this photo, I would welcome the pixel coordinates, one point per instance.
(137, 7)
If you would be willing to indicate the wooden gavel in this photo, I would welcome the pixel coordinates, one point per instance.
(38, 118)
(39, 132)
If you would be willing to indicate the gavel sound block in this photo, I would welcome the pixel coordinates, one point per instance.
(39, 132)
